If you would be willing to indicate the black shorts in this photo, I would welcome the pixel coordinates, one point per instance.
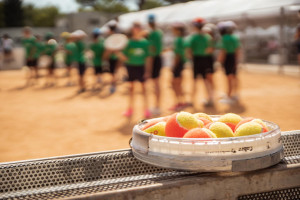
(230, 64)
(81, 68)
(178, 68)
(98, 70)
(31, 63)
(135, 73)
(112, 65)
(203, 65)
(156, 66)
(51, 65)
(7, 51)
(298, 47)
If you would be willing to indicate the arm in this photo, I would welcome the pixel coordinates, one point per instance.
(188, 53)
(221, 56)
(121, 56)
(148, 67)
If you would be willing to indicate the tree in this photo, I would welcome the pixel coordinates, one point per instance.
(111, 6)
(152, 4)
(148, 4)
(12, 13)
(2, 23)
(40, 17)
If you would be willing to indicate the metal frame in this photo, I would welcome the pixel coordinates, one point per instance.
(118, 175)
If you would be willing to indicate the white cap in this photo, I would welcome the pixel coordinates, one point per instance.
(52, 41)
(230, 24)
(206, 29)
(79, 33)
(112, 23)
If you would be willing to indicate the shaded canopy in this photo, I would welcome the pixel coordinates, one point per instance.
(214, 10)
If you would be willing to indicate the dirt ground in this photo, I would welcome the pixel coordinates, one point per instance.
(38, 122)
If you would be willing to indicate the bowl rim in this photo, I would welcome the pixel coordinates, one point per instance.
(254, 136)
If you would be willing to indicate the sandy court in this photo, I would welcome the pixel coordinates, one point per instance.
(38, 122)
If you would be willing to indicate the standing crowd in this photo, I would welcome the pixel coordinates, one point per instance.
(142, 56)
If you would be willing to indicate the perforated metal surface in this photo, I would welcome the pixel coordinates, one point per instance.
(98, 172)
(291, 142)
(93, 173)
(285, 194)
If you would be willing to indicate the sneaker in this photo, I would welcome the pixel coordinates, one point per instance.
(81, 90)
(128, 113)
(147, 114)
(235, 98)
(112, 89)
(209, 103)
(227, 100)
(155, 111)
(177, 107)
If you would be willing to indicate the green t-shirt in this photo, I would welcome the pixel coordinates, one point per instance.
(50, 49)
(155, 41)
(136, 51)
(179, 47)
(29, 45)
(71, 53)
(40, 47)
(199, 43)
(230, 43)
(98, 50)
(80, 50)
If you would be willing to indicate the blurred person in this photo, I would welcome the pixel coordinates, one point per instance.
(228, 56)
(28, 41)
(40, 47)
(8, 44)
(70, 55)
(97, 47)
(179, 61)
(50, 50)
(199, 48)
(297, 38)
(155, 38)
(111, 57)
(136, 58)
(78, 36)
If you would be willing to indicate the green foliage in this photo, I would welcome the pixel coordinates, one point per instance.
(2, 24)
(40, 17)
(12, 12)
(110, 6)
(152, 4)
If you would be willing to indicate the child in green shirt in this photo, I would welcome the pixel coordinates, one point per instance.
(179, 60)
(97, 48)
(50, 50)
(155, 38)
(29, 44)
(136, 58)
(200, 50)
(229, 54)
(70, 51)
(78, 37)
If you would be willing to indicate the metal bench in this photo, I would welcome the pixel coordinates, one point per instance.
(118, 175)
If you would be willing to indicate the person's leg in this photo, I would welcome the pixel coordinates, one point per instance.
(209, 85)
(113, 65)
(147, 113)
(230, 80)
(196, 69)
(129, 111)
(155, 77)
(81, 77)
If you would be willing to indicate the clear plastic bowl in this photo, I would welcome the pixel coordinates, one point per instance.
(245, 153)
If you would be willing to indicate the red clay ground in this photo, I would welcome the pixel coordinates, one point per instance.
(36, 122)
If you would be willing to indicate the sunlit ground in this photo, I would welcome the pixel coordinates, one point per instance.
(40, 122)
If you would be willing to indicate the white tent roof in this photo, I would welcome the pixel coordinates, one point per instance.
(211, 9)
